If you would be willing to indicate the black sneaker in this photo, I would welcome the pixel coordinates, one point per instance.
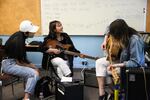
(102, 97)
(106, 96)
(110, 97)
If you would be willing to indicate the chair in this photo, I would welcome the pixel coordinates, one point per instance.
(48, 66)
(6, 79)
(51, 71)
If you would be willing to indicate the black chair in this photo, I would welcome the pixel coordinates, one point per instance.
(135, 82)
(46, 64)
(51, 71)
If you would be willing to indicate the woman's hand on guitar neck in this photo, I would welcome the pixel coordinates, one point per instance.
(103, 45)
(82, 56)
(52, 50)
(115, 65)
(110, 67)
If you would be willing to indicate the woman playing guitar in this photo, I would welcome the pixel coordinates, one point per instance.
(130, 54)
(56, 41)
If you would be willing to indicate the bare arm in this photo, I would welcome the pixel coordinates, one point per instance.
(103, 45)
(116, 65)
(52, 50)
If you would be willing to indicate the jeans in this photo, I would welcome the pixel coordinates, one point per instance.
(9, 66)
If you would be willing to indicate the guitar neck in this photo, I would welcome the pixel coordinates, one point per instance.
(78, 54)
(90, 57)
(115, 75)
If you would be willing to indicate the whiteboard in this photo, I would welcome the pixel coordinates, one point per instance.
(91, 17)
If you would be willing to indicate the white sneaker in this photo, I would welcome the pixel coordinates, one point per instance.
(66, 79)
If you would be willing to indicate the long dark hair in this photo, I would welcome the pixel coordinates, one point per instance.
(121, 31)
(52, 27)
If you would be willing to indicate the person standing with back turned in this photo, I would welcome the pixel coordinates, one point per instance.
(16, 62)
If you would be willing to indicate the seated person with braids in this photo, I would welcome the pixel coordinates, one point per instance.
(51, 46)
(131, 52)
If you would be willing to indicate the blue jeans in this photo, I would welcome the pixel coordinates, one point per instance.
(9, 66)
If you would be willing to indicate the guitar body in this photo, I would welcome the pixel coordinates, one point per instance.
(64, 48)
(56, 44)
(113, 48)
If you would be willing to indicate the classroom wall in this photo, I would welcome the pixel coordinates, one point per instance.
(91, 17)
(89, 45)
(14, 11)
(100, 13)
(148, 17)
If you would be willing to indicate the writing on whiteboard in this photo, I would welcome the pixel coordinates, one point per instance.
(82, 17)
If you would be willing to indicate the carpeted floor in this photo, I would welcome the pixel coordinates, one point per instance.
(19, 90)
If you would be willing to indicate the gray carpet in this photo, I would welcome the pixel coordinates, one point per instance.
(90, 93)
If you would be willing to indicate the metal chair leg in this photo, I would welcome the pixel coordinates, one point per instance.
(1, 92)
(12, 89)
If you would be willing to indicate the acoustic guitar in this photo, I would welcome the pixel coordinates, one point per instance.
(64, 48)
(113, 48)
(112, 56)
(78, 54)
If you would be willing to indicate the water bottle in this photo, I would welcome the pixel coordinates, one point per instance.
(41, 96)
(0, 83)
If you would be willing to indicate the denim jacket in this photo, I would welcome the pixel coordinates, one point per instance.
(133, 55)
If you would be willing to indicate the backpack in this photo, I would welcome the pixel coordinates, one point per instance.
(42, 86)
